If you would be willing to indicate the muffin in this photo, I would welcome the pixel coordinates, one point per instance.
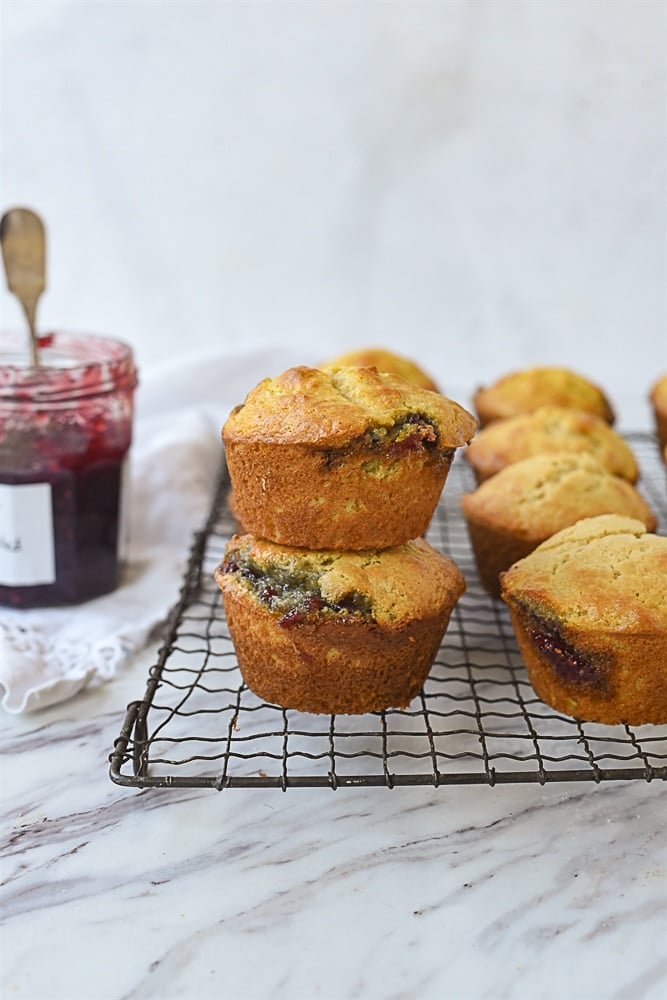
(349, 459)
(589, 611)
(336, 632)
(546, 430)
(658, 399)
(525, 503)
(384, 361)
(526, 390)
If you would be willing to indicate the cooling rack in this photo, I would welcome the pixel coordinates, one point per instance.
(476, 721)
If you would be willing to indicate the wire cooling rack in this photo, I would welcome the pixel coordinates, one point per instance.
(476, 721)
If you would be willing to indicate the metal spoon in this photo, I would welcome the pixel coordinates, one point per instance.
(24, 254)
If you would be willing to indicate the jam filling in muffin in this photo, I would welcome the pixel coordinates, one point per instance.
(414, 433)
(294, 595)
(336, 632)
(589, 614)
(567, 662)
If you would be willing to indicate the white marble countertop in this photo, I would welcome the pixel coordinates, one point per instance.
(514, 891)
(518, 891)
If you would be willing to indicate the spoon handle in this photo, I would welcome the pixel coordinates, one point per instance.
(24, 254)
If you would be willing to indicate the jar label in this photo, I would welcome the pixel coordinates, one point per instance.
(27, 550)
(123, 545)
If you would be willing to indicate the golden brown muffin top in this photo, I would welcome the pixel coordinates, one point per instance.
(550, 429)
(404, 583)
(658, 393)
(331, 409)
(537, 496)
(384, 361)
(526, 390)
(603, 573)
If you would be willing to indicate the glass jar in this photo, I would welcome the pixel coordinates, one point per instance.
(65, 430)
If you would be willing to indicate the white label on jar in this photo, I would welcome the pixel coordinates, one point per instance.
(27, 551)
(123, 545)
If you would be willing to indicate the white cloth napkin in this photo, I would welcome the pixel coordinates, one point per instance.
(47, 656)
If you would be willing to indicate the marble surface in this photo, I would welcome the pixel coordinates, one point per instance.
(519, 891)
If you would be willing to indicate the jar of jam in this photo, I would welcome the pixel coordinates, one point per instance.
(65, 430)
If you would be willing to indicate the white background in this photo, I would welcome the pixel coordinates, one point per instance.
(479, 185)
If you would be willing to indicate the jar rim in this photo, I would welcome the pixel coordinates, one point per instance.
(72, 365)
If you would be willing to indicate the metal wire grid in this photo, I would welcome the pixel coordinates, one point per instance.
(476, 721)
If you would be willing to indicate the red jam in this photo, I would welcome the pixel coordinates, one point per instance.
(65, 430)
(565, 660)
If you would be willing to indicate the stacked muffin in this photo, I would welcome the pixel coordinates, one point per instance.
(334, 602)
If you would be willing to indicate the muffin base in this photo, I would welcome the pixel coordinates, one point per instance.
(495, 551)
(335, 499)
(343, 667)
(612, 678)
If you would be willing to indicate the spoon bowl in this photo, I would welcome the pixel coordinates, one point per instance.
(23, 242)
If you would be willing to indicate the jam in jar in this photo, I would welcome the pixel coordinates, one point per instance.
(65, 430)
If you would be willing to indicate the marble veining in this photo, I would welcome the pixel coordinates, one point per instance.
(518, 891)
